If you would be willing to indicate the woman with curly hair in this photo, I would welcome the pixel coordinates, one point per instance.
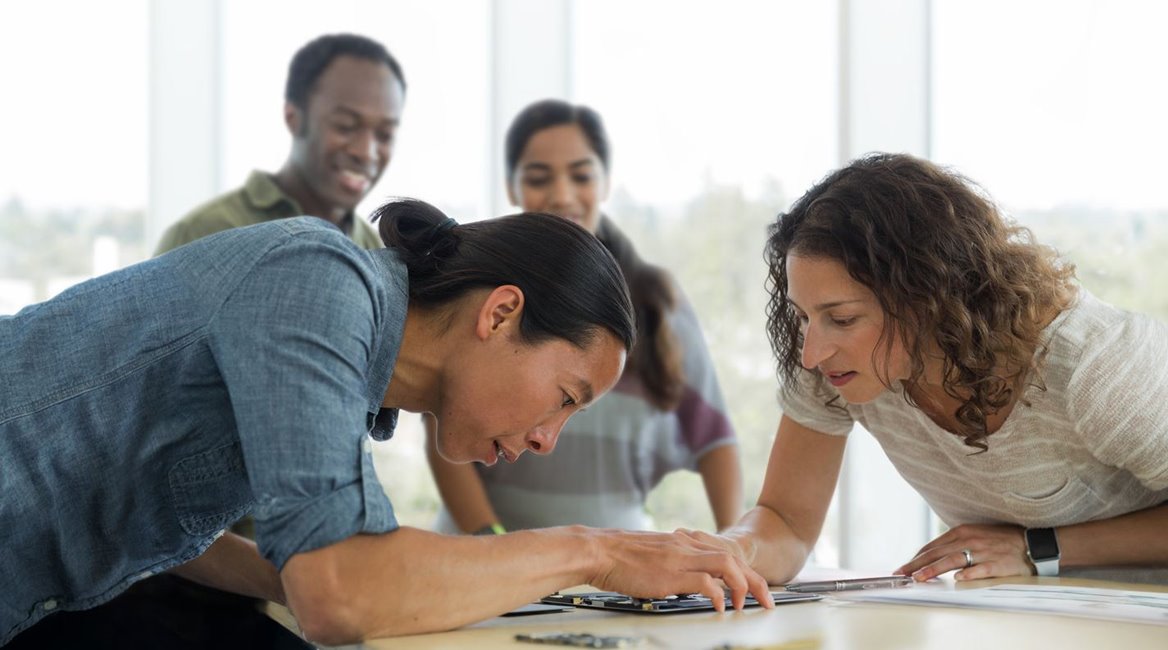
(1030, 415)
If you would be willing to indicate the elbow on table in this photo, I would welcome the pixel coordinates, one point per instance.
(327, 618)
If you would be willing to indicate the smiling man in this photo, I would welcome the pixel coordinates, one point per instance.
(343, 104)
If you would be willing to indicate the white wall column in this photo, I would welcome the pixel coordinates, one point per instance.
(184, 113)
(884, 106)
(528, 64)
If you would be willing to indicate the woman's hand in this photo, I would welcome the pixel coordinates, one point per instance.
(975, 551)
(655, 565)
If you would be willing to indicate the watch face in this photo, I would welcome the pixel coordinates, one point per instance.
(1041, 543)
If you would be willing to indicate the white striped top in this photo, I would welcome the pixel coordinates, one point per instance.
(1093, 445)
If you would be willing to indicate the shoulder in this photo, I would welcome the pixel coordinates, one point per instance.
(364, 235)
(1094, 338)
(223, 212)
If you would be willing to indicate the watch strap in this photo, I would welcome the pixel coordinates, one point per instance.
(1043, 550)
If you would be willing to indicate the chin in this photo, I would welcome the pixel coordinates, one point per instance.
(861, 396)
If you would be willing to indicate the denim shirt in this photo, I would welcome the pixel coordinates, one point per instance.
(144, 411)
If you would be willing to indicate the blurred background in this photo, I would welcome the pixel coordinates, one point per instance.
(119, 116)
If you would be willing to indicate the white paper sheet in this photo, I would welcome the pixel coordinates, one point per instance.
(1108, 604)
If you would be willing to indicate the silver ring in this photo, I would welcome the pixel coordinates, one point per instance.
(968, 557)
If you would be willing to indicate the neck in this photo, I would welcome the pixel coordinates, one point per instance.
(291, 181)
(418, 370)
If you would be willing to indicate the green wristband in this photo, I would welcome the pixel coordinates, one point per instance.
(491, 529)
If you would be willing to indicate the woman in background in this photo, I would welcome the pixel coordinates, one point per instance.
(665, 414)
(1031, 416)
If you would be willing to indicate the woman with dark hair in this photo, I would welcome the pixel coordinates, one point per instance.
(1026, 412)
(665, 414)
(245, 373)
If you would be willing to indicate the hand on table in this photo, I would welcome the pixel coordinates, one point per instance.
(993, 551)
(656, 565)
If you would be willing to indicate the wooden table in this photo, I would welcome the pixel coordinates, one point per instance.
(833, 623)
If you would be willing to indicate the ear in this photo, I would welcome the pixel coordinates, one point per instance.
(500, 312)
(512, 196)
(293, 118)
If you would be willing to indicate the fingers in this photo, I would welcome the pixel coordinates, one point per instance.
(944, 564)
(686, 561)
(974, 552)
(740, 580)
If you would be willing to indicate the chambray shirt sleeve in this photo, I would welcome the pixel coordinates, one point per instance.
(293, 344)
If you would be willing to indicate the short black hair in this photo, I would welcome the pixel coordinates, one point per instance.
(310, 61)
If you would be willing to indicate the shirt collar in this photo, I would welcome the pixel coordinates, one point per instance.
(381, 421)
(264, 193)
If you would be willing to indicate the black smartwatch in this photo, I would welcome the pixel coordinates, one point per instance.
(1043, 550)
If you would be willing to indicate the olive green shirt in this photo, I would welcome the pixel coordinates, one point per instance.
(259, 200)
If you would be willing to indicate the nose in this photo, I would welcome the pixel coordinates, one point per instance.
(363, 146)
(815, 348)
(562, 193)
(542, 439)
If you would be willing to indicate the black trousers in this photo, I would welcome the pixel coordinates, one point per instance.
(166, 612)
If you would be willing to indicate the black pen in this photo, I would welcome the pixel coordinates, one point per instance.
(883, 582)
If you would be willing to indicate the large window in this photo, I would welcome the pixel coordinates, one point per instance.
(720, 114)
(1057, 109)
(73, 159)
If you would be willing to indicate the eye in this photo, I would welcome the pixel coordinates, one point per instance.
(582, 179)
(384, 137)
(568, 401)
(843, 322)
(536, 181)
(344, 127)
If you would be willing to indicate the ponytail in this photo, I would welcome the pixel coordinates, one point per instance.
(572, 285)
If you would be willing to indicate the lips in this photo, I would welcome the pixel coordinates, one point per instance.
(838, 379)
(503, 453)
(355, 182)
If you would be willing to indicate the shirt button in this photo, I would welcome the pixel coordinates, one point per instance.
(49, 605)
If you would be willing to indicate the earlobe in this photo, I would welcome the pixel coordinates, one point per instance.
(292, 118)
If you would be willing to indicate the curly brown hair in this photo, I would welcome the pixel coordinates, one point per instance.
(942, 260)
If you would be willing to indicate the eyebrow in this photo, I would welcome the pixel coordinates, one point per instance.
(540, 166)
(585, 388)
(361, 118)
(827, 305)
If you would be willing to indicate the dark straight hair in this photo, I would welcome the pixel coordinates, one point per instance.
(657, 357)
(572, 286)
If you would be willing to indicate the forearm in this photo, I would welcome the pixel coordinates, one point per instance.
(412, 581)
(722, 477)
(234, 564)
(1135, 539)
(459, 486)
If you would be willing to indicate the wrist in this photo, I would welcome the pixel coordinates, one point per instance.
(592, 551)
(1042, 550)
(491, 529)
(741, 544)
